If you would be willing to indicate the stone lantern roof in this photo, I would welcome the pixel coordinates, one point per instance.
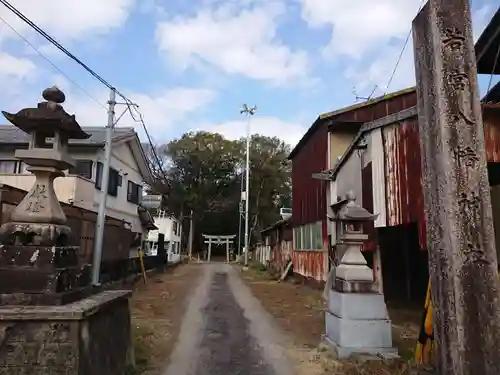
(49, 117)
(348, 210)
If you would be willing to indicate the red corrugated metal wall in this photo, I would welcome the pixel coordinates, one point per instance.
(310, 264)
(309, 195)
(491, 122)
(403, 168)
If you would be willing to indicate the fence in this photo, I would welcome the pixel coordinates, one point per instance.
(117, 238)
(120, 269)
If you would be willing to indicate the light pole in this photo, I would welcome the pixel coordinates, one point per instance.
(249, 112)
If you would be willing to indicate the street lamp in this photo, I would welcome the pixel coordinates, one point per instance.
(249, 113)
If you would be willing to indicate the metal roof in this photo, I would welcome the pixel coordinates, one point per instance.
(9, 134)
(329, 115)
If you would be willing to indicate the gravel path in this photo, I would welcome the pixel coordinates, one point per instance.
(226, 331)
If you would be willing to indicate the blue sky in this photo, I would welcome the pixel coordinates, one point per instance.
(190, 65)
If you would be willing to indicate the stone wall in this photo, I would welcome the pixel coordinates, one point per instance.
(90, 336)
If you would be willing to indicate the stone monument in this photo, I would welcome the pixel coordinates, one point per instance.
(52, 321)
(356, 317)
(460, 233)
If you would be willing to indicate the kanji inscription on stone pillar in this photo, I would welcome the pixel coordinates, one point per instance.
(462, 255)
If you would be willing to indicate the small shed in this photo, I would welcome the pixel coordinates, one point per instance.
(276, 246)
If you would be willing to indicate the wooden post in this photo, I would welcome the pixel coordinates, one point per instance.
(227, 249)
(460, 235)
(209, 250)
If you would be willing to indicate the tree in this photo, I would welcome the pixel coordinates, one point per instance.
(204, 172)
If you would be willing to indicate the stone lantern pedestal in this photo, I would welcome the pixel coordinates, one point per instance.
(52, 320)
(356, 318)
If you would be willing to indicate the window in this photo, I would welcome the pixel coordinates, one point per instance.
(8, 166)
(83, 168)
(98, 175)
(317, 235)
(114, 177)
(22, 168)
(297, 238)
(134, 192)
(175, 228)
(308, 237)
(114, 181)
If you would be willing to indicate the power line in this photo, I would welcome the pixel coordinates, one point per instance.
(59, 46)
(51, 63)
(402, 51)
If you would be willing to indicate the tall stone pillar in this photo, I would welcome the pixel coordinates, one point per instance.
(460, 235)
(52, 321)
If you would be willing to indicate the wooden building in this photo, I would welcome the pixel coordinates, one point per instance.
(373, 148)
(318, 152)
(276, 246)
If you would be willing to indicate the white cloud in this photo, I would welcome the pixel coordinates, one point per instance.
(377, 68)
(359, 26)
(289, 132)
(66, 20)
(161, 111)
(11, 66)
(235, 39)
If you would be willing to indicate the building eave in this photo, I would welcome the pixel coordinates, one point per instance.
(329, 116)
(368, 127)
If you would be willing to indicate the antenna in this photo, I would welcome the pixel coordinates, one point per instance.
(361, 97)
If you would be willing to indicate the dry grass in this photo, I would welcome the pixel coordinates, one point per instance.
(300, 312)
(157, 310)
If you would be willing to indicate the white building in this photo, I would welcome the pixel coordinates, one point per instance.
(81, 185)
(166, 224)
(172, 230)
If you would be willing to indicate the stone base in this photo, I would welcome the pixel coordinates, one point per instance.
(363, 287)
(358, 323)
(347, 352)
(90, 336)
(42, 272)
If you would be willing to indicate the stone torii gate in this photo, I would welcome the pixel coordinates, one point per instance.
(218, 240)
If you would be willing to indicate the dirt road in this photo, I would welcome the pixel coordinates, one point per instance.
(226, 331)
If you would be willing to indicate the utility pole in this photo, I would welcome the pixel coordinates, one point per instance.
(240, 213)
(101, 215)
(191, 234)
(460, 233)
(249, 112)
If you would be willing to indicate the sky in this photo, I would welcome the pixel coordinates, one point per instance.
(190, 65)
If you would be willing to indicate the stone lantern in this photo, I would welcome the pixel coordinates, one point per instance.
(350, 218)
(52, 320)
(39, 218)
(356, 318)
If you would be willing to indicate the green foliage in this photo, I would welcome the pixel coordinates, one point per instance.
(204, 174)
